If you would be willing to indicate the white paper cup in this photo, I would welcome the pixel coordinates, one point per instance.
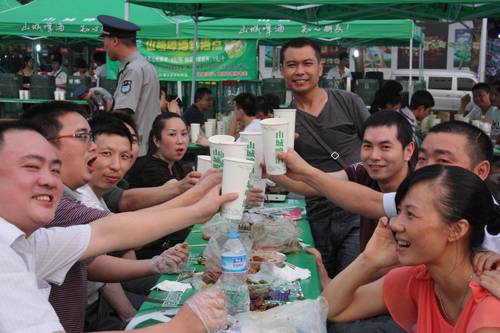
(221, 127)
(21, 94)
(288, 114)
(235, 176)
(275, 136)
(255, 151)
(203, 163)
(221, 146)
(195, 132)
(486, 127)
(27, 94)
(62, 95)
(56, 96)
(209, 129)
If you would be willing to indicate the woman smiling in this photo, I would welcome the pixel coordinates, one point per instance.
(442, 214)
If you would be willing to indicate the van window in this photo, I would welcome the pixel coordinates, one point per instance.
(465, 84)
(442, 83)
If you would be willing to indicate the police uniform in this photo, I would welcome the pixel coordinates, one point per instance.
(138, 88)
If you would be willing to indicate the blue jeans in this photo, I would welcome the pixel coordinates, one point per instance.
(337, 239)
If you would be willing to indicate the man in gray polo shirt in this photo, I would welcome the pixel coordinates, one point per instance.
(138, 89)
(337, 117)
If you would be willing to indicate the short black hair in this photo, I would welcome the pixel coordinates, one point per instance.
(481, 86)
(479, 144)
(421, 98)
(246, 102)
(391, 118)
(299, 43)
(99, 57)
(18, 125)
(343, 55)
(109, 124)
(390, 93)
(80, 63)
(46, 115)
(127, 119)
(201, 92)
(56, 57)
(495, 85)
(128, 41)
(461, 195)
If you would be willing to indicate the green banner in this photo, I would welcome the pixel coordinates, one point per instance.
(216, 60)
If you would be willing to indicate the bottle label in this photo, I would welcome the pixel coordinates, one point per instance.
(234, 264)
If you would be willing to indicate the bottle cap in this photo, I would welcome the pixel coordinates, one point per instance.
(233, 234)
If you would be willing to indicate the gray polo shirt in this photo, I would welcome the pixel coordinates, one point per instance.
(339, 124)
(138, 89)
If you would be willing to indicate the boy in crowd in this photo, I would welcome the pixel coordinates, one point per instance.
(244, 115)
(481, 99)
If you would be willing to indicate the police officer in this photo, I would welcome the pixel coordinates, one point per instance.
(138, 89)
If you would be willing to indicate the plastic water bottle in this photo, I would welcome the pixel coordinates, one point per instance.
(234, 274)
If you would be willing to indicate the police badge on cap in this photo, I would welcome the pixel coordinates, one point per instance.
(116, 27)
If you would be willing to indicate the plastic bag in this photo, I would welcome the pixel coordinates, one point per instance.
(280, 235)
(216, 226)
(213, 253)
(307, 316)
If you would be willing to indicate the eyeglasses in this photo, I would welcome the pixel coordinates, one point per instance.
(84, 137)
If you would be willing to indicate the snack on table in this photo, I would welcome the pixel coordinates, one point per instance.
(260, 256)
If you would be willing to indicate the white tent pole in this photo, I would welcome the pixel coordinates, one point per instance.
(193, 77)
(482, 50)
(125, 13)
(410, 79)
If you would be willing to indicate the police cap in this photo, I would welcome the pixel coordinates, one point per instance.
(116, 27)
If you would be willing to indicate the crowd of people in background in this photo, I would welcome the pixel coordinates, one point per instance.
(97, 203)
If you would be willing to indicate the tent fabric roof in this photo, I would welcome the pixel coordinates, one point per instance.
(373, 32)
(64, 19)
(305, 11)
(77, 19)
(6, 4)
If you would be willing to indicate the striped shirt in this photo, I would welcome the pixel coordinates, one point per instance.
(70, 299)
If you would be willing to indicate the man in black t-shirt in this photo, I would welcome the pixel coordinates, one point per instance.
(203, 102)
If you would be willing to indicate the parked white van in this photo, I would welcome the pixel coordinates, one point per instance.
(447, 87)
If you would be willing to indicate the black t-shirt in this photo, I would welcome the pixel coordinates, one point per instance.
(339, 124)
(149, 171)
(193, 115)
(357, 173)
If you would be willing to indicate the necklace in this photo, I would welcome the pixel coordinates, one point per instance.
(460, 305)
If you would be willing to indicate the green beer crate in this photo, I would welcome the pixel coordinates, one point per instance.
(10, 84)
(42, 87)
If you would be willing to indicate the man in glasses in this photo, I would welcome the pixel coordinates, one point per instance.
(33, 258)
(65, 126)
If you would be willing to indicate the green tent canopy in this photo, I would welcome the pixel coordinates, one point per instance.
(77, 19)
(317, 10)
(7, 4)
(360, 33)
(65, 19)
